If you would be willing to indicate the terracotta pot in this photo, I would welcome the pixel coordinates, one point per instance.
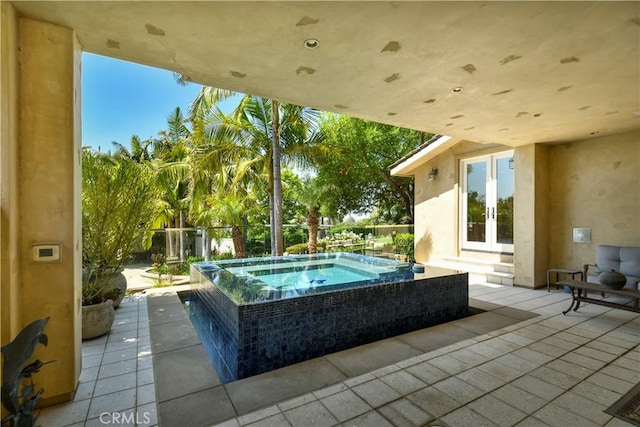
(612, 279)
(97, 319)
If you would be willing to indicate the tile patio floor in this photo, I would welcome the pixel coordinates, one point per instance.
(547, 370)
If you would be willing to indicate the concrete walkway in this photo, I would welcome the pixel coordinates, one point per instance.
(544, 370)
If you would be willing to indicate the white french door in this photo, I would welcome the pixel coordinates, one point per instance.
(486, 217)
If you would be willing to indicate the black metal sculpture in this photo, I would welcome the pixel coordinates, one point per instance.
(19, 395)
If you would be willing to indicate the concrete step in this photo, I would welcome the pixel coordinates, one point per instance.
(504, 267)
(500, 273)
(500, 278)
(451, 265)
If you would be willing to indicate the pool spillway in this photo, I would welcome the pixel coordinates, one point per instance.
(260, 314)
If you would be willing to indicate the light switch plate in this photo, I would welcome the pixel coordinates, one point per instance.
(582, 235)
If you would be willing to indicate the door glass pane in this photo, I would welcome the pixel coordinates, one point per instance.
(476, 201)
(504, 218)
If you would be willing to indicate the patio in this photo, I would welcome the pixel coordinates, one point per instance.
(505, 368)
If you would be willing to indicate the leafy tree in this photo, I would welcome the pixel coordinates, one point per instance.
(262, 132)
(294, 211)
(117, 206)
(358, 167)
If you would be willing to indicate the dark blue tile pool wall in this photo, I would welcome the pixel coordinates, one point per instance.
(253, 338)
(215, 318)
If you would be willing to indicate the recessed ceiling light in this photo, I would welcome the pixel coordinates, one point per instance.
(457, 89)
(311, 43)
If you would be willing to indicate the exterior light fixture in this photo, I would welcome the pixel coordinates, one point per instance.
(311, 43)
(432, 174)
(512, 163)
(457, 89)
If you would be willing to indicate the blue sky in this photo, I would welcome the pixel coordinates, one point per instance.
(121, 99)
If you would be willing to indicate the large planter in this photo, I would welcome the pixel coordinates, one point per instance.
(116, 279)
(97, 319)
(612, 279)
(119, 281)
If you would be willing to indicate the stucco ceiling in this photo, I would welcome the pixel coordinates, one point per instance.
(530, 71)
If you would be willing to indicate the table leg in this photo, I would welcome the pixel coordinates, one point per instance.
(578, 301)
(573, 301)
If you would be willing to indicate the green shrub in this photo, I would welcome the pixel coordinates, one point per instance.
(340, 228)
(193, 259)
(300, 248)
(222, 256)
(294, 235)
(404, 245)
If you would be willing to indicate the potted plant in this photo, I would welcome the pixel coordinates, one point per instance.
(98, 312)
(118, 201)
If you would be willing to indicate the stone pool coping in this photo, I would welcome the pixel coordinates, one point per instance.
(187, 386)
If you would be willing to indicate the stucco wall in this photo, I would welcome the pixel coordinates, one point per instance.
(9, 213)
(40, 160)
(437, 207)
(593, 184)
(435, 231)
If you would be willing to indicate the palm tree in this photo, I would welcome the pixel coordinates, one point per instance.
(264, 131)
(171, 162)
(224, 196)
(139, 150)
(311, 194)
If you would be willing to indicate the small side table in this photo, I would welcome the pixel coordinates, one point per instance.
(559, 271)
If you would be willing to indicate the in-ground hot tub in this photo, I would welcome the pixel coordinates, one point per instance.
(258, 314)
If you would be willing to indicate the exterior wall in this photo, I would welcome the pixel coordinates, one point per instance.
(9, 213)
(41, 193)
(593, 184)
(436, 202)
(435, 209)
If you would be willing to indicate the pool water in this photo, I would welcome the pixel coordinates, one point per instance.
(259, 279)
(325, 275)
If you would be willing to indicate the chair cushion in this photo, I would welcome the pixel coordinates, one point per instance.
(607, 258)
(624, 259)
(630, 261)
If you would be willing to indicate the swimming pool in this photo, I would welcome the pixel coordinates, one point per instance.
(259, 279)
(259, 314)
